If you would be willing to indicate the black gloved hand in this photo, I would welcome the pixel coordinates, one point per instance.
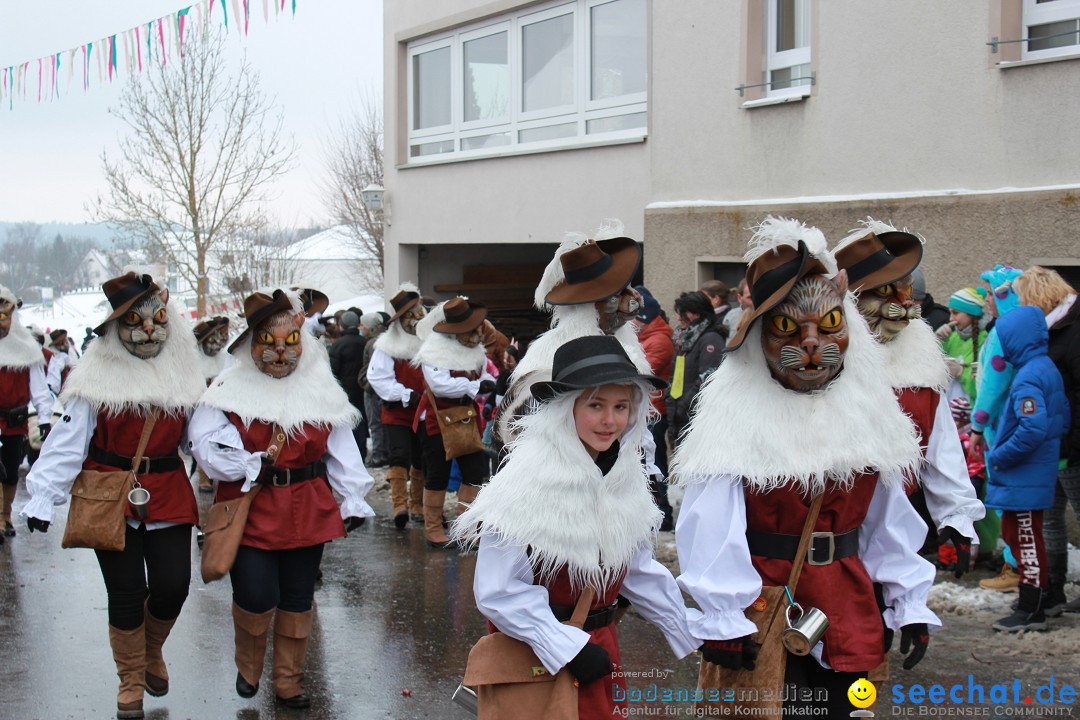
(40, 525)
(888, 638)
(592, 663)
(44, 428)
(963, 549)
(914, 637)
(353, 523)
(486, 386)
(735, 654)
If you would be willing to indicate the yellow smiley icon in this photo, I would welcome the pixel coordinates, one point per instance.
(862, 693)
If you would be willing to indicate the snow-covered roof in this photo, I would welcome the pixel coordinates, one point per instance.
(337, 243)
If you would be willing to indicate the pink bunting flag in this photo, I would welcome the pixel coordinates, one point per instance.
(247, 16)
(161, 36)
(39, 71)
(138, 47)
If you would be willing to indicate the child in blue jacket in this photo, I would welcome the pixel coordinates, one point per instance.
(1024, 458)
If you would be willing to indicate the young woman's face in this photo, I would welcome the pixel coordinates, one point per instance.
(601, 415)
(960, 319)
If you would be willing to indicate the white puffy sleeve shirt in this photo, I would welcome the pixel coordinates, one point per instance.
(950, 496)
(384, 381)
(216, 445)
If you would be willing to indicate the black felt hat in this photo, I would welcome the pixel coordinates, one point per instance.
(591, 362)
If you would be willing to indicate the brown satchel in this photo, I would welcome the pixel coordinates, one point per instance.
(225, 524)
(762, 687)
(460, 428)
(512, 683)
(99, 499)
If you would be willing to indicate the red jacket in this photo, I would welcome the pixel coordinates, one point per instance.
(655, 339)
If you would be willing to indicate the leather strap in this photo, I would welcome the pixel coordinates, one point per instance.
(145, 466)
(804, 542)
(148, 427)
(595, 619)
(581, 610)
(283, 477)
(824, 548)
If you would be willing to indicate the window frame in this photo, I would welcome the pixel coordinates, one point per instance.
(579, 113)
(1033, 13)
(781, 59)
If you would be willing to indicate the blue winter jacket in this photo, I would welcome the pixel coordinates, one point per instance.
(1025, 458)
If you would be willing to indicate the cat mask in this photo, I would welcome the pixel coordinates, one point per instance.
(889, 308)
(804, 337)
(144, 328)
(276, 344)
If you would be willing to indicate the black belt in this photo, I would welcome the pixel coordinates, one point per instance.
(283, 477)
(16, 415)
(147, 466)
(824, 547)
(595, 619)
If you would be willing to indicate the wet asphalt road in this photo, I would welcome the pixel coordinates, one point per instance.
(394, 624)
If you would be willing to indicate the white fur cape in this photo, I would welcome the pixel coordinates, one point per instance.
(549, 495)
(745, 424)
(19, 349)
(309, 395)
(913, 359)
(212, 365)
(444, 351)
(112, 379)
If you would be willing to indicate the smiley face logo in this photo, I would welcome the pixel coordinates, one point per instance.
(862, 693)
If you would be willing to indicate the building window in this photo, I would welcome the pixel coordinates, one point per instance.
(549, 77)
(1051, 28)
(787, 48)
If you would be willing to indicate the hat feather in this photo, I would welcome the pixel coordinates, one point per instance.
(776, 232)
(553, 273)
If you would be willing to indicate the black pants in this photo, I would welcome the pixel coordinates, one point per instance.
(154, 567)
(659, 487)
(266, 579)
(827, 688)
(11, 456)
(475, 467)
(403, 446)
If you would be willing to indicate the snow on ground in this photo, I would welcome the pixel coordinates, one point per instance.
(72, 312)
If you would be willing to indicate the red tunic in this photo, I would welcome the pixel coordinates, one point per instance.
(297, 515)
(171, 496)
(595, 699)
(431, 423)
(842, 589)
(412, 378)
(919, 404)
(14, 393)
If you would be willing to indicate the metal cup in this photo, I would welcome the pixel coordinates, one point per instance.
(139, 497)
(465, 697)
(804, 632)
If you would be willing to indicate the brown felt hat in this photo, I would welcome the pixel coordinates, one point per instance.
(770, 279)
(314, 300)
(124, 292)
(203, 329)
(260, 306)
(57, 334)
(878, 259)
(402, 303)
(461, 316)
(595, 271)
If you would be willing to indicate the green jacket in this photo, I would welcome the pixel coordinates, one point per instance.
(963, 350)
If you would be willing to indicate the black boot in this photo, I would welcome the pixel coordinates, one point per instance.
(1054, 599)
(1029, 613)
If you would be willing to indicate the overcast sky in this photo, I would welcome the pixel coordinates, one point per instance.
(317, 64)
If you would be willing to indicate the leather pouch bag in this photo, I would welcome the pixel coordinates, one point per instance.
(762, 687)
(460, 428)
(225, 524)
(99, 500)
(512, 684)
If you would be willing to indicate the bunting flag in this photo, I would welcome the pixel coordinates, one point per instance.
(139, 49)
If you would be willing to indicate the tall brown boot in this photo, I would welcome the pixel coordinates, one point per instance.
(398, 477)
(9, 497)
(416, 495)
(157, 675)
(129, 654)
(433, 528)
(250, 632)
(291, 633)
(465, 495)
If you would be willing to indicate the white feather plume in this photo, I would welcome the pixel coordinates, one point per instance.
(867, 226)
(553, 273)
(775, 232)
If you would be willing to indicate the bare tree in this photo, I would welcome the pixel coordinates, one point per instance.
(354, 160)
(203, 149)
(19, 264)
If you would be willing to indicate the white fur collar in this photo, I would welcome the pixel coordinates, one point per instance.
(550, 496)
(913, 359)
(112, 379)
(397, 343)
(19, 349)
(746, 425)
(212, 365)
(310, 395)
(444, 351)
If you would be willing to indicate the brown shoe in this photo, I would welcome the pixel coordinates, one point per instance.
(398, 477)
(1007, 582)
(157, 675)
(291, 633)
(129, 654)
(416, 495)
(250, 630)
(433, 526)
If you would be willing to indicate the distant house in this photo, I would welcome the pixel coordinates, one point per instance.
(95, 268)
(332, 261)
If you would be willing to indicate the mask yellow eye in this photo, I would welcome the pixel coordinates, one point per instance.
(133, 318)
(832, 320)
(160, 316)
(4, 315)
(266, 338)
(885, 290)
(293, 338)
(783, 324)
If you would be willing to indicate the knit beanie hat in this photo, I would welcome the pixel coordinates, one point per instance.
(969, 300)
(370, 320)
(349, 320)
(650, 308)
